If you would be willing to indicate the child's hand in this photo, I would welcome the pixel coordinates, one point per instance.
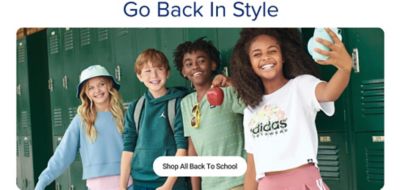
(221, 81)
(164, 187)
(337, 56)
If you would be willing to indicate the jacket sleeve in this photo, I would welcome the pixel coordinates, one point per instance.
(130, 134)
(180, 139)
(63, 156)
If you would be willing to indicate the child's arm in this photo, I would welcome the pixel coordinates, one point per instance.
(169, 183)
(250, 176)
(340, 58)
(221, 81)
(126, 160)
(196, 181)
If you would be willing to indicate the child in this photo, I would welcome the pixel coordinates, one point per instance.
(211, 130)
(96, 132)
(271, 73)
(153, 137)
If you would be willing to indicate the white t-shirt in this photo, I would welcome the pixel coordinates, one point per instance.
(280, 132)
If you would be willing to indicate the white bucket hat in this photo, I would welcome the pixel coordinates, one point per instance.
(94, 71)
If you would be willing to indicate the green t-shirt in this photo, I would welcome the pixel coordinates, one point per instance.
(220, 133)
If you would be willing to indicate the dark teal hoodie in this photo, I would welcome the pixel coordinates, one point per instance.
(155, 137)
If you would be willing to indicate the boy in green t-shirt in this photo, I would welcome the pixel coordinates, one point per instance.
(211, 130)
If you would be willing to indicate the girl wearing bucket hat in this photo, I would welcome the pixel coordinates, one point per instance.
(96, 132)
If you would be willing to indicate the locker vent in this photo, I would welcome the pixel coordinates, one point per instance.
(102, 34)
(72, 112)
(372, 97)
(21, 52)
(85, 36)
(68, 40)
(53, 43)
(57, 118)
(328, 162)
(375, 163)
(26, 147)
(25, 119)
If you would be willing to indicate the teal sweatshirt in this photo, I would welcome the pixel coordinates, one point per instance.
(155, 137)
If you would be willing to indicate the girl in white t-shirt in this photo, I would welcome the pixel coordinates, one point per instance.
(274, 76)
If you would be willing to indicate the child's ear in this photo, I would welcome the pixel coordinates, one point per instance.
(213, 66)
(139, 77)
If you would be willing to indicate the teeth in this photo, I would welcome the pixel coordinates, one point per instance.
(267, 66)
(197, 74)
(154, 81)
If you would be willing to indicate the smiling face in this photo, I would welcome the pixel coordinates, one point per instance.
(198, 68)
(266, 58)
(97, 89)
(154, 78)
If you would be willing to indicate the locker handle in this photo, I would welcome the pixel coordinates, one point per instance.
(117, 71)
(65, 82)
(19, 89)
(356, 61)
(72, 187)
(50, 84)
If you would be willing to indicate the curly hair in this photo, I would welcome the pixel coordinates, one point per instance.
(297, 62)
(198, 45)
(88, 112)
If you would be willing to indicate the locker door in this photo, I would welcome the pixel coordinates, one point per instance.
(78, 54)
(170, 38)
(124, 55)
(20, 57)
(227, 38)
(70, 77)
(24, 115)
(56, 88)
(55, 82)
(209, 33)
(63, 181)
(368, 84)
(334, 160)
(370, 160)
(367, 101)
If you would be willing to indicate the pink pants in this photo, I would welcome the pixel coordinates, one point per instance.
(303, 178)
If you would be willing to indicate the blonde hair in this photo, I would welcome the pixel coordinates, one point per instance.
(88, 113)
(157, 58)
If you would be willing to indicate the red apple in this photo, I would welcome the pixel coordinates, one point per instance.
(215, 96)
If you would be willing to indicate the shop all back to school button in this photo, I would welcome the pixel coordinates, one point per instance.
(200, 166)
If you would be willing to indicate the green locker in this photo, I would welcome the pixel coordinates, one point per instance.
(226, 41)
(209, 33)
(33, 109)
(56, 88)
(124, 56)
(367, 103)
(334, 160)
(369, 160)
(170, 38)
(367, 83)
